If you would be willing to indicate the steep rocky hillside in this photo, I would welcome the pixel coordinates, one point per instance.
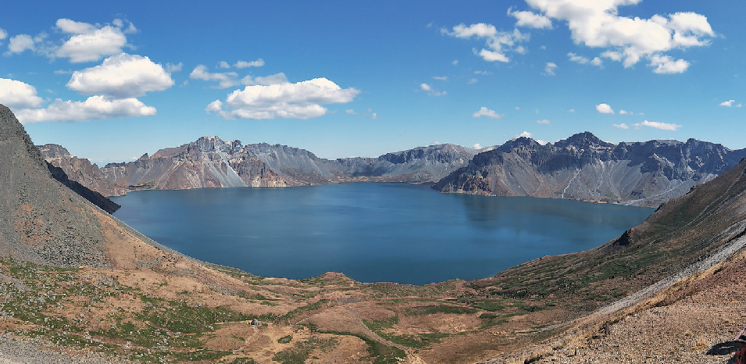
(585, 168)
(211, 162)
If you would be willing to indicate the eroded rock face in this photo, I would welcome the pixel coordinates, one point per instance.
(212, 162)
(585, 168)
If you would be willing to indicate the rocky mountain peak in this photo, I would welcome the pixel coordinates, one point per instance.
(54, 151)
(585, 140)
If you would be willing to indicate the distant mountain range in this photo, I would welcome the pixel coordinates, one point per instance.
(211, 162)
(581, 167)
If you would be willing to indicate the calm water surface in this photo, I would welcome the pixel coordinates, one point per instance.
(370, 231)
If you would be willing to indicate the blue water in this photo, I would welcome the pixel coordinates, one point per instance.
(371, 232)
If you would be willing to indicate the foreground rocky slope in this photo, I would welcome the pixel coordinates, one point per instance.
(211, 162)
(586, 168)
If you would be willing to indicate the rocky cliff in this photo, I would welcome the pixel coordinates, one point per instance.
(212, 162)
(43, 221)
(585, 168)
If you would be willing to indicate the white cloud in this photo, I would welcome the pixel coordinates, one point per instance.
(483, 73)
(374, 116)
(171, 68)
(215, 106)
(225, 80)
(3, 34)
(529, 19)
(18, 94)
(223, 64)
(431, 91)
(473, 81)
(621, 126)
(597, 24)
(121, 76)
(477, 146)
(729, 103)
(604, 109)
(455, 62)
(658, 125)
(440, 78)
(525, 134)
(549, 69)
(20, 43)
(666, 64)
(571, 110)
(545, 121)
(517, 108)
(90, 43)
(583, 60)
(497, 43)
(94, 108)
(351, 112)
(301, 100)
(74, 27)
(623, 112)
(243, 64)
(488, 113)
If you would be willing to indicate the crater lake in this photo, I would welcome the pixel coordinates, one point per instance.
(371, 232)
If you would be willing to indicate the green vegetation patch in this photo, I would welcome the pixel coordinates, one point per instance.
(433, 309)
(300, 352)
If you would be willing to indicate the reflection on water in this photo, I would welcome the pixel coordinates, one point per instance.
(370, 231)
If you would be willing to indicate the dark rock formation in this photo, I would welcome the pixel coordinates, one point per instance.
(92, 196)
(583, 167)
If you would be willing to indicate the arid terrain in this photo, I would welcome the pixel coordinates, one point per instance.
(75, 280)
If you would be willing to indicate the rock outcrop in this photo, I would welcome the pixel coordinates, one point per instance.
(585, 168)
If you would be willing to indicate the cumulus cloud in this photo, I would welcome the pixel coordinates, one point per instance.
(243, 64)
(351, 112)
(3, 34)
(583, 60)
(530, 19)
(658, 125)
(121, 76)
(94, 108)
(525, 134)
(604, 109)
(301, 100)
(623, 112)
(17, 94)
(545, 121)
(488, 113)
(497, 43)
(90, 42)
(223, 64)
(20, 43)
(621, 126)
(431, 91)
(549, 69)
(666, 64)
(729, 103)
(477, 146)
(597, 24)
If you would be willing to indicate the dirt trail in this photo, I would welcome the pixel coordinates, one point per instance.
(411, 356)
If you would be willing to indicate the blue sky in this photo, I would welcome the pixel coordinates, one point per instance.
(113, 80)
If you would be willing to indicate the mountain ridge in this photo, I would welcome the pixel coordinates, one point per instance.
(582, 167)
